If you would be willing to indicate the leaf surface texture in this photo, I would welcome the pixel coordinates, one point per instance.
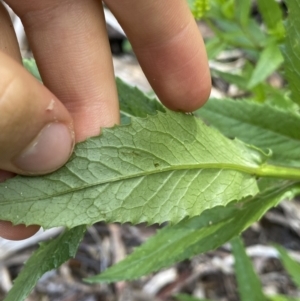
(160, 168)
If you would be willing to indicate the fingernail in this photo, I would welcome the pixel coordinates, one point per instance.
(48, 151)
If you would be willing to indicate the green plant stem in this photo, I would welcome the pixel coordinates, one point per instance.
(279, 172)
(265, 170)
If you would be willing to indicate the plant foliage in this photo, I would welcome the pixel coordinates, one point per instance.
(291, 49)
(49, 256)
(124, 174)
(200, 234)
(254, 123)
(210, 181)
(290, 265)
(249, 285)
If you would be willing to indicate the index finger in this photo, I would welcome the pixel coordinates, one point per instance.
(169, 47)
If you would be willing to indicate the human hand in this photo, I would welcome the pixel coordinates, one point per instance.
(40, 124)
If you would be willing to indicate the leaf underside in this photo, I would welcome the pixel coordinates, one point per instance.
(157, 169)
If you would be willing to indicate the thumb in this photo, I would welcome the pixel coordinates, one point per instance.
(36, 130)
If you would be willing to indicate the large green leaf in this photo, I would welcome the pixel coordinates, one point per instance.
(259, 124)
(249, 286)
(49, 256)
(291, 49)
(160, 168)
(197, 235)
(292, 266)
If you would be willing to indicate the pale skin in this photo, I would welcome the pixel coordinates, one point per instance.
(39, 125)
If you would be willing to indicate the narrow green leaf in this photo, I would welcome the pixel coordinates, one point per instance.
(220, 8)
(135, 103)
(259, 124)
(31, 66)
(160, 168)
(227, 8)
(183, 297)
(281, 298)
(291, 49)
(292, 266)
(249, 285)
(190, 237)
(235, 79)
(272, 17)
(242, 79)
(213, 47)
(270, 60)
(49, 256)
(242, 11)
(280, 99)
(259, 93)
(250, 37)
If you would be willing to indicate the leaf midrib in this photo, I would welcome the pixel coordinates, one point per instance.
(221, 166)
